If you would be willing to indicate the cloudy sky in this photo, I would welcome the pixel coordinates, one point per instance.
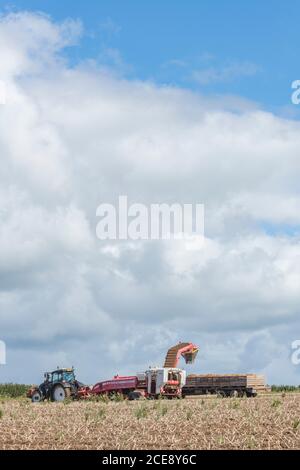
(163, 105)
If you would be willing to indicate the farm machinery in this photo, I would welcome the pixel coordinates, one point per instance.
(168, 381)
(155, 382)
(57, 386)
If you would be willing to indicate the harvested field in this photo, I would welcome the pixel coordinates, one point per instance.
(267, 422)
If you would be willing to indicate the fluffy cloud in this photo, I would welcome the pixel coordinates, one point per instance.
(30, 42)
(73, 137)
(226, 74)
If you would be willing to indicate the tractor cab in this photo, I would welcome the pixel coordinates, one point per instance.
(61, 375)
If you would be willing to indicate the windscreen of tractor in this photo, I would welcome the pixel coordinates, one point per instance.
(68, 376)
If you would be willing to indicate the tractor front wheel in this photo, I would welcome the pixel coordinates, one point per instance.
(60, 393)
(36, 397)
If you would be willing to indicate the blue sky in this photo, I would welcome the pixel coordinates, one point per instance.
(72, 138)
(237, 48)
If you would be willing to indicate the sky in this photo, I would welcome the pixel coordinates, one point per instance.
(237, 48)
(183, 102)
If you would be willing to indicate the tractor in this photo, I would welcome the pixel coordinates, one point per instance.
(57, 386)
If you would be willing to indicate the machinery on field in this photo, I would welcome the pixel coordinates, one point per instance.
(188, 351)
(57, 386)
(168, 381)
(155, 382)
(225, 385)
(165, 382)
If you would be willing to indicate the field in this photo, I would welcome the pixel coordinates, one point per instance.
(267, 422)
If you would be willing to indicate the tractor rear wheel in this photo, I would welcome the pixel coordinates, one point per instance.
(36, 397)
(60, 393)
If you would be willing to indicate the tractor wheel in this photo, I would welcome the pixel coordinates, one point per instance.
(134, 396)
(60, 393)
(36, 397)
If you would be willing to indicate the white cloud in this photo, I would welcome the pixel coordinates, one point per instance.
(225, 74)
(72, 138)
(30, 41)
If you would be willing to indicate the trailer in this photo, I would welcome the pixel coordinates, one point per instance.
(234, 385)
(124, 385)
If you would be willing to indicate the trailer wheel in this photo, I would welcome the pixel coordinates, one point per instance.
(221, 394)
(36, 397)
(242, 394)
(234, 393)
